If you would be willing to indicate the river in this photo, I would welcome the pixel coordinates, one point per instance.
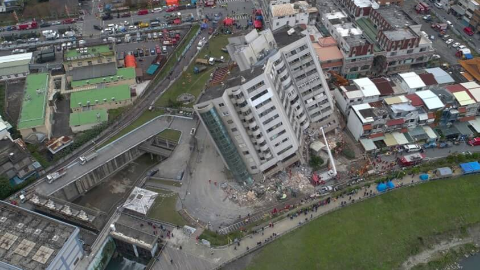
(471, 263)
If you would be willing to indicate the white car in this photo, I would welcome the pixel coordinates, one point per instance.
(435, 56)
(462, 47)
(326, 189)
(56, 23)
(156, 10)
(438, 5)
(456, 44)
(449, 41)
(449, 23)
(126, 23)
(132, 27)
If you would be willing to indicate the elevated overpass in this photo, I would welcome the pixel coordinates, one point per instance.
(112, 158)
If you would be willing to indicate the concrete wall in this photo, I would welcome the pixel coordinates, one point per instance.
(96, 176)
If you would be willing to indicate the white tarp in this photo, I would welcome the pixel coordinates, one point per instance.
(475, 124)
(317, 146)
(368, 144)
(400, 138)
(431, 134)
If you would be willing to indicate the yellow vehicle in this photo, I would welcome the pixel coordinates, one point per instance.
(143, 25)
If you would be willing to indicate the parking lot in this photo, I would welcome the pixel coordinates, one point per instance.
(446, 51)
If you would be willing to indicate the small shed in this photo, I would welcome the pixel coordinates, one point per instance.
(444, 172)
(317, 146)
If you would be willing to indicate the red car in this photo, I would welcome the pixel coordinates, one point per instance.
(474, 141)
(468, 31)
(142, 12)
(158, 50)
(172, 9)
(68, 21)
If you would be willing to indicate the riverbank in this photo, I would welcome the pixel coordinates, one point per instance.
(381, 232)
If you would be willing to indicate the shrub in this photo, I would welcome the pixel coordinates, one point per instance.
(348, 153)
(316, 162)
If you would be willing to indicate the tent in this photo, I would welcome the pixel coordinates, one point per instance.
(228, 21)
(470, 167)
(424, 177)
(382, 187)
(204, 26)
(390, 185)
(468, 56)
(444, 172)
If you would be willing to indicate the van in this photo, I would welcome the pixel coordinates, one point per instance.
(412, 148)
(200, 45)
(156, 10)
(154, 24)
(164, 49)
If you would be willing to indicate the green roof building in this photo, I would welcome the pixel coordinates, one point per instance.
(123, 75)
(101, 98)
(34, 106)
(80, 121)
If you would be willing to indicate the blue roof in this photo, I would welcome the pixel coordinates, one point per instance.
(382, 187)
(468, 56)
(424, 177)
(470, 167)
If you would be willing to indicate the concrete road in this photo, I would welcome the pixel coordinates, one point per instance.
(447, 52)
(105, 154)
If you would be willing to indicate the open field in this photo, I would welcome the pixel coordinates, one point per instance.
(164, 208)
(380, 233)
(194, 83)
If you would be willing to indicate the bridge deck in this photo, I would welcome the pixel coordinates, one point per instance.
(112, 150)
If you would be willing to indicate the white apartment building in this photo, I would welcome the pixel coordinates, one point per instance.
(257, 116)
(290, 14)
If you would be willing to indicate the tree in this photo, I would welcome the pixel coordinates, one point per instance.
(316, 162)
(5, 188)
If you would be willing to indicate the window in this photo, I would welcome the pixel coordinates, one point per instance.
(278, 23)
(410, 51)
(285, 150)
(393, 53)
(225, 113)
(354, 69)
(246, 152)
(79, 64)
(365, 67)
(99, 60)
(253, 167)
(221, 105)
(259, 95)
(89, 63)
(229, 122)
(423, 49)
(234, 129)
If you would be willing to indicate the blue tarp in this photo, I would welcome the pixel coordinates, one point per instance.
(470, 167)
(382, 187)
(424, 177)
(468, 56)
(390, 185)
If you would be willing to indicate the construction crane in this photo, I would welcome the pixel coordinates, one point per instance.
(337, 79)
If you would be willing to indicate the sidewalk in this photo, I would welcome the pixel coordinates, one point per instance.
(225, 255)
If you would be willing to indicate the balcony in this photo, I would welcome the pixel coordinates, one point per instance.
(253, 125)
(264, 147)
(248, 116)
(260, 141)
(256, 132)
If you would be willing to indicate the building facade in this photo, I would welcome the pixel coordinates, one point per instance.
(258, 116)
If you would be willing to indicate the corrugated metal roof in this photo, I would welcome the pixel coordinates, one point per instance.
(95, 71)
(463, 98)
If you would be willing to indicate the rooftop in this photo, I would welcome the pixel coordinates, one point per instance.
(412, 80)
(399, 34)
(415, 100)
(395, 16)
(94, 71)
(367, 87)
(368, 112)
(441, 76)
(396, 100)
(369, 31)
(428, 79)
(88, 52)
(140, 200)
(366, 3)
(431, 100)
(233, 80)
(99, 96)
(463, 98)
(285, 36)
(327, 53)
(283, 10)
(128, 230)
(472, 66)
(384, 86)
(335, 15)
(28, 240)
(475, 92)
(34, 101)
(121, 74)
(88, 117)
(15, 63)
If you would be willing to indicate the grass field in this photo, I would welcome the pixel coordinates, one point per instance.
(164, 208)
(194, 83)
(380, 233)
(173, 60)
(170, 134)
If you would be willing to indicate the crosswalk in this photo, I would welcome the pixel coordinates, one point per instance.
(240, 17)
(237, 226)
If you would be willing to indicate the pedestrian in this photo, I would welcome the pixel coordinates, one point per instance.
(210, 181)
(171, 261)
(311, 215)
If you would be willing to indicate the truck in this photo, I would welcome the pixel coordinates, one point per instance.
(201, 61)
(211, 61)
(410, 160)
(440, 26)
(422, 8)
(210, 3)
(199, 69)
(87, 158)
(128, 38)
(26, 26)
(56, 175)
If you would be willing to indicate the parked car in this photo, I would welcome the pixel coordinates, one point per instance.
(412, 148)
(56, 23)
(462, 47)
(45, 24)
(435, 56)
(468, 31)
(152, 51)
(438, 5)
(97, 27)
(474, 141)
(140, 52)
(449, 41)
(450, 24)
(125, 15)
(456, 44)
